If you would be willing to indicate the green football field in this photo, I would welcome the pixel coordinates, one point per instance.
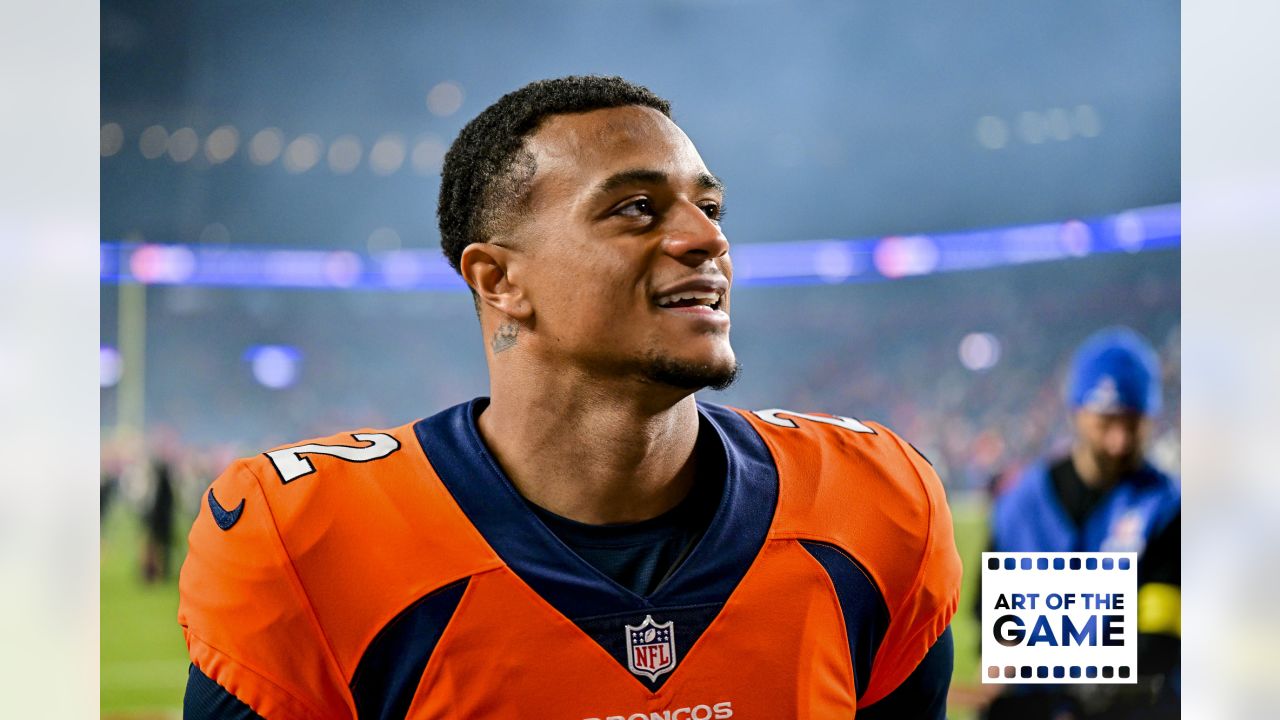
(144, 665)
(144, 661)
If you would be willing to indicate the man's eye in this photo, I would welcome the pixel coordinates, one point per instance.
(637, 208)
(715, 211)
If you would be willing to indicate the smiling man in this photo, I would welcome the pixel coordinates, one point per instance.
(590, 541)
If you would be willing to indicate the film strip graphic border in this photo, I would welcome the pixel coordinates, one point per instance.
(1042, 672)
(1058, 564)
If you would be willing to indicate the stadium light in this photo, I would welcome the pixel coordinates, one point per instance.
(444, 99)
(344, 154)
(266, 146)
(183, 144)
(428, 155)
(112, 139)
(221, 144)
(387, 154)
(274, 366)
(303, 153)
(110, 366)
(979, 351)
(153, 142)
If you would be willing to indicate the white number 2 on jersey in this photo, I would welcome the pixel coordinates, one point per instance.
(772, 417)
(291, 464)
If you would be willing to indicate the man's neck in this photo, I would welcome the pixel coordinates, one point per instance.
(590, 454)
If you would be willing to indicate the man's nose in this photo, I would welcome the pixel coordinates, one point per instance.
(1119, 440)
(691, 236)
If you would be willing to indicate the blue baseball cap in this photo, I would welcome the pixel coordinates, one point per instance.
(1115, 370)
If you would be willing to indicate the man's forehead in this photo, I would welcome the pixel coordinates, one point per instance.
(601, 141)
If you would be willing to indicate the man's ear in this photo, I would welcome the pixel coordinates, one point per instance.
(487, 268)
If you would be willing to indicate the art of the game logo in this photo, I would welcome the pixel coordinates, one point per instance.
(651, 648)
(1059, 617)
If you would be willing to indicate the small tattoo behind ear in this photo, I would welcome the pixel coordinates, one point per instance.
(505, 337)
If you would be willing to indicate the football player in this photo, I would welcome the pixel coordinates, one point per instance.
(589, 541)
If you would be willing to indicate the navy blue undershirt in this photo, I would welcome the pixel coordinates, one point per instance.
(640, 555)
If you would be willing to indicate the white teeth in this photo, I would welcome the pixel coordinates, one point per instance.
(711, 298)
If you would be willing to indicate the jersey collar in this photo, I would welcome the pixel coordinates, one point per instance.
(738, 530)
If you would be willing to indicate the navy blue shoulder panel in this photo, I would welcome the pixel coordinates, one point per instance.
(207, 700)
(390, 669)
(741, 524)
(866, 616)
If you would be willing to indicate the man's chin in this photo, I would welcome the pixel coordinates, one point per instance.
(691, 375)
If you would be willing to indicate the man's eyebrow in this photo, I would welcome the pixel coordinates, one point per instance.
(707, 181)
(641, 176)
(630, 177)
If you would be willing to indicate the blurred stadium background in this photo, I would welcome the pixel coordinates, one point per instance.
(930, 205)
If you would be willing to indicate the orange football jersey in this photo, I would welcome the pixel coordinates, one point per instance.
(397, 573)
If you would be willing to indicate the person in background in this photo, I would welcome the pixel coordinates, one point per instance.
(158, 518)
(109, 470)
(1105, 496)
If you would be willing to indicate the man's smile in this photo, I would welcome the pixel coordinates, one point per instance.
(702, 296)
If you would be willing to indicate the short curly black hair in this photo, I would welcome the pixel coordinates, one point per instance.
(487, 172)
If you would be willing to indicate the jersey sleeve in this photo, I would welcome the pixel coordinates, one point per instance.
(919, 612)
(862, 489)
(248, 624)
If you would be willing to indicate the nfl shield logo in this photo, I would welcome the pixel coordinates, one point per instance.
(651, 648)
